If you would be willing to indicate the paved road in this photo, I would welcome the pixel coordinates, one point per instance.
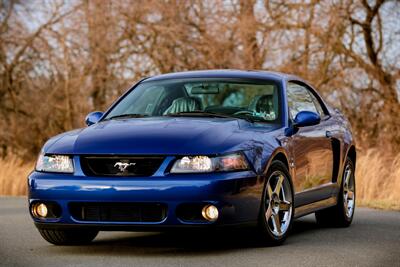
(372, 240)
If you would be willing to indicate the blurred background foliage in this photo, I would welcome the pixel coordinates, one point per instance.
(60, 60)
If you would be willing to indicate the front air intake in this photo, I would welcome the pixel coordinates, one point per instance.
(120, 165)
(118, 212)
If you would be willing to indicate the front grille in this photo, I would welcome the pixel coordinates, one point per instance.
(120, 165)
(118, 212)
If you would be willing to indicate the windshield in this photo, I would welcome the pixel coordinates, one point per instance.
(256, 101)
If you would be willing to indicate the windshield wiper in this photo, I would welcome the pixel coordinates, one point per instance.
(208, 114)
(197, 113)
(127, 116)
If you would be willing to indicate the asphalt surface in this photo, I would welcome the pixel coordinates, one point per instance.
(372, 240)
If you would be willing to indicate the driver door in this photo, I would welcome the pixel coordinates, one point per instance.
(312, 154)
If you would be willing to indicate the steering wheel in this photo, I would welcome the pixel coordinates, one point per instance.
(243, 112)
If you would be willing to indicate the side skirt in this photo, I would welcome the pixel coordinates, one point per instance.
(315, 206)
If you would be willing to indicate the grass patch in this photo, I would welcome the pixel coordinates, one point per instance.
(13, 176)
(379, 204)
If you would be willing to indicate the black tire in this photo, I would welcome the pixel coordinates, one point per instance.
(337, 216)
(264, 224)
(68, 236)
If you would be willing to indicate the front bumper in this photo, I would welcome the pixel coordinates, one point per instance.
(237, 195)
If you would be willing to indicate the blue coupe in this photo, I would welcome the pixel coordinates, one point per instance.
(199, 149)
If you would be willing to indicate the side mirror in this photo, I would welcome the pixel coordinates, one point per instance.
(306, 118)
(93, 117)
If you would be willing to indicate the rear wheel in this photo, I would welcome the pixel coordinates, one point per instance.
(68, 236)
(341, 215)
(276, 214)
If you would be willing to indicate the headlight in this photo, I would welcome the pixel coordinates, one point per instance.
(55, 163)
(199, 164)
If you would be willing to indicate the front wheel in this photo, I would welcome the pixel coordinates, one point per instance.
(342, 214)
(68, 236)
(276, 214)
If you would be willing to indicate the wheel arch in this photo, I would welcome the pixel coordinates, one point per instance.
(352, 154)
(281, 157)
(279, 154)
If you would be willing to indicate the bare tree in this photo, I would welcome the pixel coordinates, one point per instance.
(367, 32)
(61, 59)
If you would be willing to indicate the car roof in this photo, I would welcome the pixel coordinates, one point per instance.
(226, 73)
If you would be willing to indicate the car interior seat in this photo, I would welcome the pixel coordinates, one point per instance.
(184, 104)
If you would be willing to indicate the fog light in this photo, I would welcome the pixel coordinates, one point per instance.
(210, 213)
(40, 210)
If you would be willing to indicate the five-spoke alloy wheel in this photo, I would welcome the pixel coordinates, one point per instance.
(278, 203)
(348, 191)
(277, 209)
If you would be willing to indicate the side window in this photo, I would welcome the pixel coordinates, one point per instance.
(300, 99)
(317, 105)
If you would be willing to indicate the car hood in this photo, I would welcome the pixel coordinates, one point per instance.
(152, 136)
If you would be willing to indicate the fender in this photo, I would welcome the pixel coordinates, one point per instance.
(279, 150)
(276, 154)
(350, 147)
